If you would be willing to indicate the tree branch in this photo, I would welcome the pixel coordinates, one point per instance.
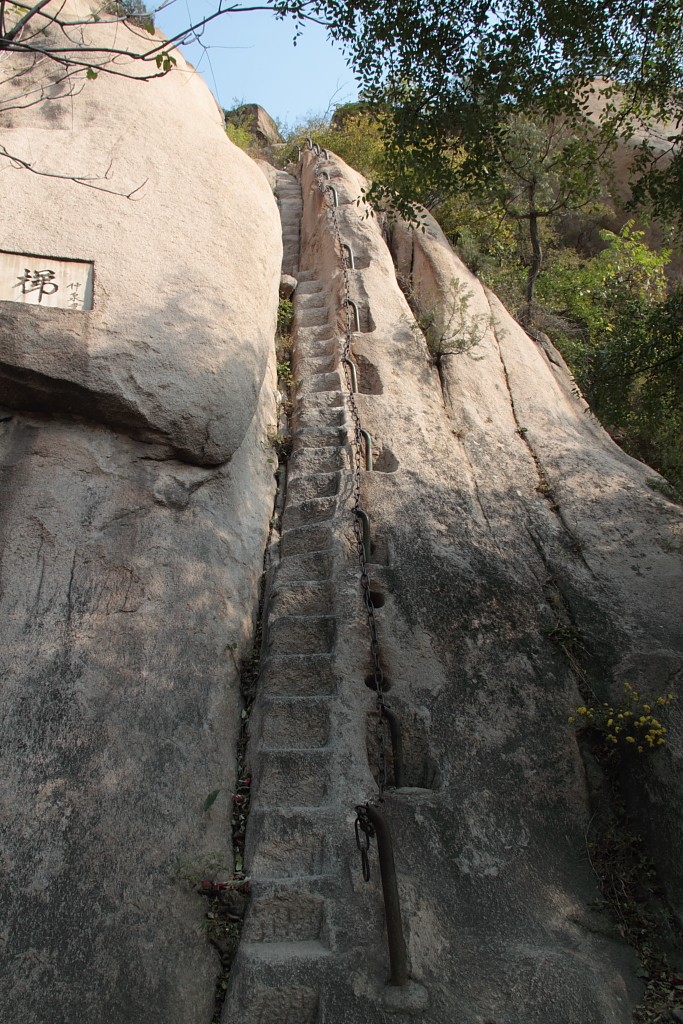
(86, 182)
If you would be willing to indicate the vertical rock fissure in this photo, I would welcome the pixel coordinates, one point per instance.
(544, 487)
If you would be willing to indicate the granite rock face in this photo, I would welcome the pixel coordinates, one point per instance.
(517, 559)
(136, 489)
(258, 121)
(171, 351)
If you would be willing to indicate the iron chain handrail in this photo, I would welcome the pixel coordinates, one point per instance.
(358, 512)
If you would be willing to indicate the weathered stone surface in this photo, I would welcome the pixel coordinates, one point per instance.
(257, 120)
(171, 352)
(497, 512)
(126, 577)
(129, 563)
(287, 286)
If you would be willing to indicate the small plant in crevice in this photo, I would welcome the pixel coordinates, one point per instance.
(630, 890)
(286, 383)
(632, 725)
(662, 486)
(285, 318)
(567, 637)
(227, 904)
(449, 328)
(280, 443)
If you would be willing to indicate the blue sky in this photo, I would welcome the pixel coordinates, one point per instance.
(251, 58)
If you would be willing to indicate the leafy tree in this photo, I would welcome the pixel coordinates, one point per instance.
(544, 168)
(624, 341)
(450, 73)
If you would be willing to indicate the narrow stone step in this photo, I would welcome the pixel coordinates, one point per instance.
(302, 634)
(295, 778)
(310, 512)
(320, 437)
(250, 1001)
(306, 540)
(298, 675)
(310, 415)
(316, 316)
(306, 461)
(290, 844)
(305, 568)
(308, 275)
(301, 723)
(316, 485)
(310, 300)
(315, 347)
(306, 287)
(285, 914)
(310, 366)
(330, 381)
(308, 335)
(300, 599)
(285, 952)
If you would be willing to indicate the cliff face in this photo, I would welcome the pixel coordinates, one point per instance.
(136, 493)
(517, 565)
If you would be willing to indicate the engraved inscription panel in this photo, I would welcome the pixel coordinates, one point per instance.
(46, 281)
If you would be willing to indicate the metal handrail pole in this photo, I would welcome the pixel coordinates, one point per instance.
(398, 954)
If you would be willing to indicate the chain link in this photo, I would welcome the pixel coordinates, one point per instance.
(357, 454)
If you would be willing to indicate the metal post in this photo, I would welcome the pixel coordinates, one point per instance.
(396, 744)
(368, 450)
(356, 315)
(309, 143)
(335, 197)
(316, 149)
(365, 519)
(351, 262)
(352, 370)
(325, 174)
(298, 152)
(325, 154)
(398, 955)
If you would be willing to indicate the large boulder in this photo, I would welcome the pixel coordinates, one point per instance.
(170, 351)
(135, 495)
(257, 121)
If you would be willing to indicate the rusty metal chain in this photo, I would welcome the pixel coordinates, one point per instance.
(357, 455)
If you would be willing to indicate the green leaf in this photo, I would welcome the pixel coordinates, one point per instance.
(211, 799)
(91, 74)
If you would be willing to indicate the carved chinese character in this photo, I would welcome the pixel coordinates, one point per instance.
(41, 281)
(74, 298)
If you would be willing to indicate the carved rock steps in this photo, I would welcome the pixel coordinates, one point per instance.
(295, 823)
(288, 194)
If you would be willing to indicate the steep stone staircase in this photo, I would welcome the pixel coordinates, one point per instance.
(296, 745)
(288, 195)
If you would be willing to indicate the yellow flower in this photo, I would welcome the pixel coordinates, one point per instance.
(571, 719)
(640, 750)
(630, 739)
